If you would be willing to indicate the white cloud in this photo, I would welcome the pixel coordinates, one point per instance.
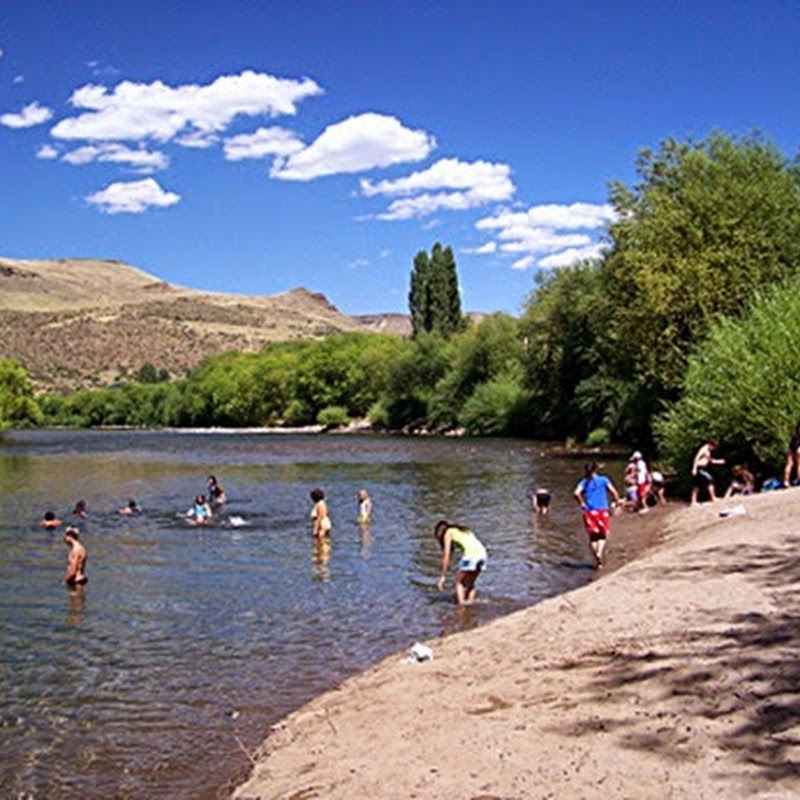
(32, 114)
(576, 215)
(47, 152)
(262, 143)
(484, 250)
(523, 263)
(140, 159)
(133, 197)
(357, 144)
(449, 173)
(572, 256)
(423, 193)
(549, 235)
(136, 111)
(18, 79)
(198, 140)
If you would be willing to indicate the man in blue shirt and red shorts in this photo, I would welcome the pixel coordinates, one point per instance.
(592, 494)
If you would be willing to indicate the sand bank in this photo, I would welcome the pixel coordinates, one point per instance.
(675, 676)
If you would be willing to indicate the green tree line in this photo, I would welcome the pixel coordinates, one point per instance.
(630, 347)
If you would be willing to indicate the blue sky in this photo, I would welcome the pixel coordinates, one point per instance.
(253, 147)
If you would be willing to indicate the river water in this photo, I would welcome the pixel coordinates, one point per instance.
(157, 678)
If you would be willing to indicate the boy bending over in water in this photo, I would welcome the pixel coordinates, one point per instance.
(473, 559)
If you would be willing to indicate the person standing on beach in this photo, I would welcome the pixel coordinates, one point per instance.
(643, 481)
(473, 559)
(701, 477)
(792, 458)
(593, 493)
(76, 560)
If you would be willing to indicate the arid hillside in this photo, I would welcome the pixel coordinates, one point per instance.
(86, 322)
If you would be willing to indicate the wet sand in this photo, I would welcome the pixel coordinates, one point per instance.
(676, 674)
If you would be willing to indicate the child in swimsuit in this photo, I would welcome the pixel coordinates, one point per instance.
(473, 559)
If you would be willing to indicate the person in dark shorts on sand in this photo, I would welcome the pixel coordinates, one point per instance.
(593, 493)
(702, 479)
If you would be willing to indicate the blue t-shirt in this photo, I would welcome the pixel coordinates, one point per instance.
(595, 492)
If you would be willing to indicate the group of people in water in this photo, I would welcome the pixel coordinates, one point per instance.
(595, 493)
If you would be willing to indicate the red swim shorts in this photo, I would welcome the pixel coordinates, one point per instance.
(597, 523)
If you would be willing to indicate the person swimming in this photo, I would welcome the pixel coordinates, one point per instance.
(50, 520)
(200, 513)
(131, 507)
(80, 509)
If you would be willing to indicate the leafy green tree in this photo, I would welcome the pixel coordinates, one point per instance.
(417, 368)
(476, 356)
(562, 332)
(741, 386)
(497, 407)
(434, 299)
(18, 407)
(707, 226)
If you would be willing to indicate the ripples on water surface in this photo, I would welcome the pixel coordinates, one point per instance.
(188, 643)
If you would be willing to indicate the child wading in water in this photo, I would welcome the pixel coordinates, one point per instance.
(473, 559)
(592, 494)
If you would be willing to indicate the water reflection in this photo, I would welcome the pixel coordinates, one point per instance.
(187, 623)
(321, 555)
(77, 605)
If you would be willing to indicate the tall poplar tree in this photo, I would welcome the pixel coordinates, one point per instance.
(434, 300)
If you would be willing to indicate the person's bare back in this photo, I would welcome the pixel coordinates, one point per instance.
(76, 560)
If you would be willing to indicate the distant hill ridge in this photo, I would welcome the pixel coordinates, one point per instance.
(82, 322)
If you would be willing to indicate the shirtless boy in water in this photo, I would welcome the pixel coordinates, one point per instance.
(76, 560)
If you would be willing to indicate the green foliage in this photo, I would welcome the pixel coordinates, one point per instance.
(741, 386)
(495, 408)
(598, 437)
(18, 407)
(333, 417)
(434, 300)
(707, 226)
(415, 372)
(475, 357)
(562, 329)
(147, 373)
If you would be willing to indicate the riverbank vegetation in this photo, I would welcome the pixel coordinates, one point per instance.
(683, 329)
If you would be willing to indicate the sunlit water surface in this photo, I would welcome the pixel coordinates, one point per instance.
(155, 679)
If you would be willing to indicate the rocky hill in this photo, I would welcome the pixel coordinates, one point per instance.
(86, 322)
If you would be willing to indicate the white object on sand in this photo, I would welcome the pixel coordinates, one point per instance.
(420, 652)
(736, 511)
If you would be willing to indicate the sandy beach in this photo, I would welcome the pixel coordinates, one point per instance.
(674, 675)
